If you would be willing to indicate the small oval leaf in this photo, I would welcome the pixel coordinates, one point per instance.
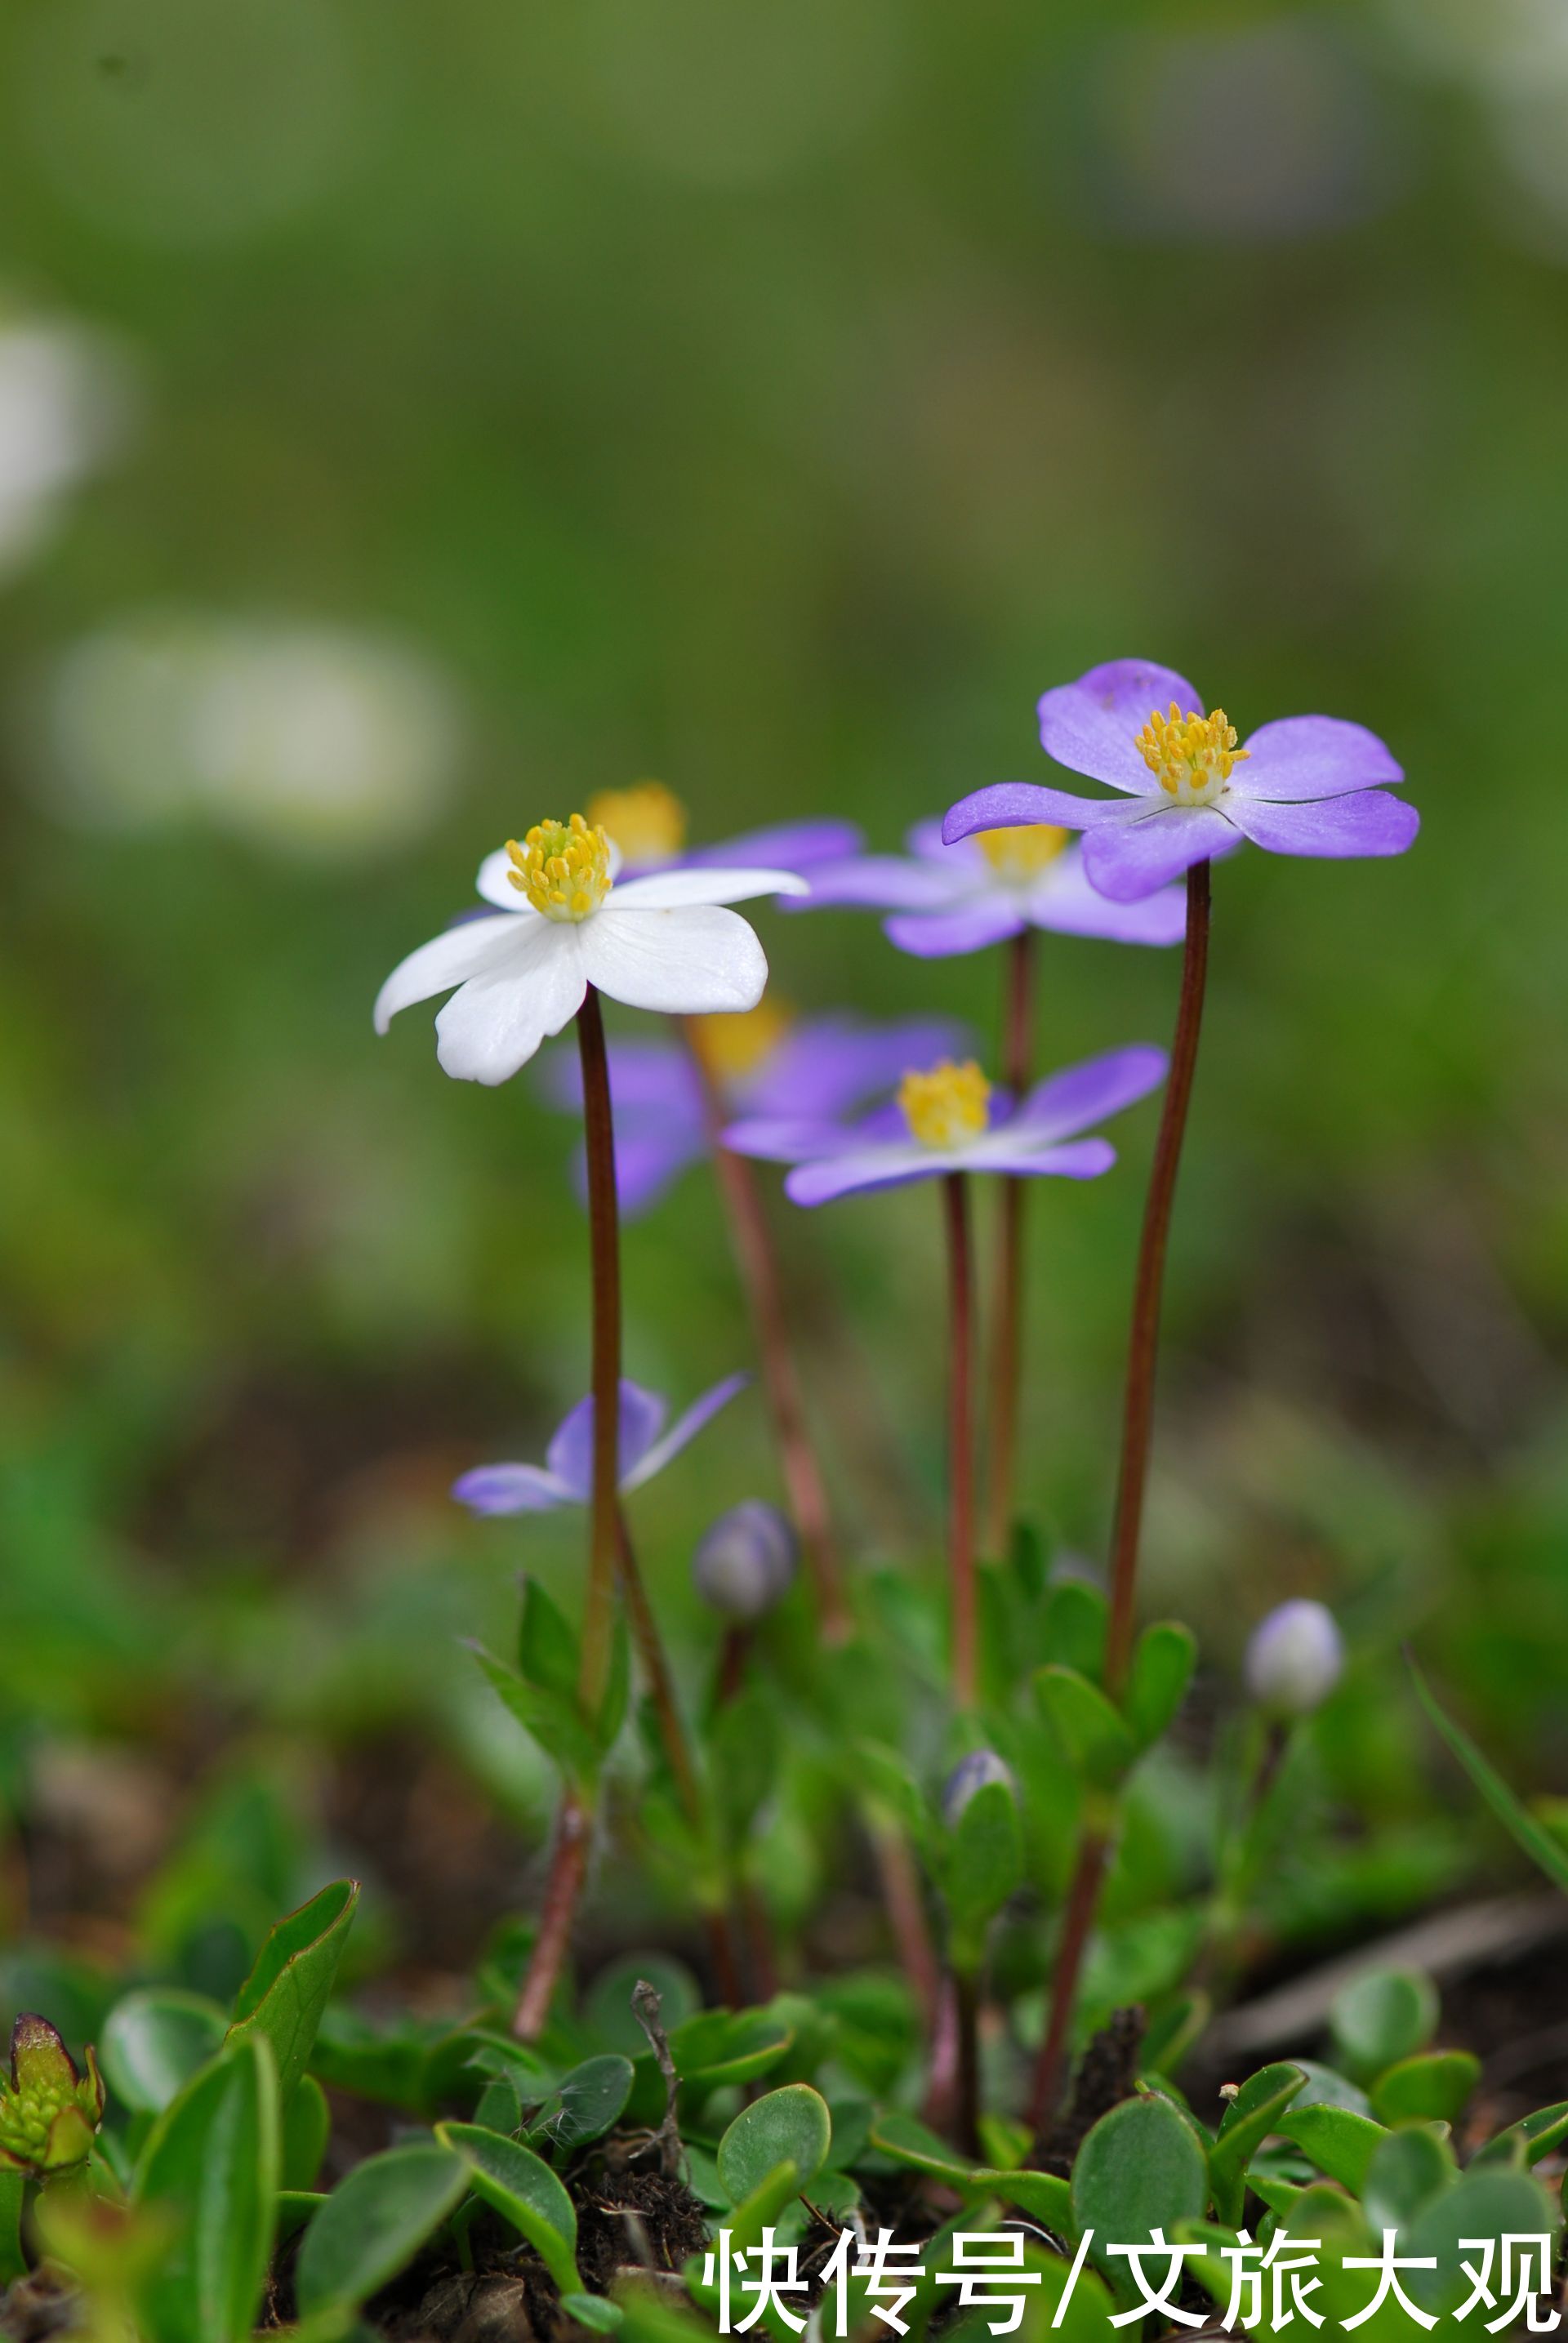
(791, 2125)
(375, 2222)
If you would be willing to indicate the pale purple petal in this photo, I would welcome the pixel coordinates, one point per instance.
(681, 888)
(1064, 901)
(1372, 822)
(827, 1066)
(512, 1489)
(1131, 858)
(940, 935)
(1093, 726)
(684, 1430)
(888, 1166)
(1306, 757)
(646, 1079)
(784, 846)
(648, 1162)
(784, 1138)
(1010, 805)
(1082, 1095)
(927, 844)
(880, 882)
(1080, 1159)
(570, 1453)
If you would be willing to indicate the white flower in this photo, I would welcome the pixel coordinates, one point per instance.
(660, 942)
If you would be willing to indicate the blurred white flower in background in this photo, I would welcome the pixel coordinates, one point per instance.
(316, 741)
(1512, 54)
(65, 399)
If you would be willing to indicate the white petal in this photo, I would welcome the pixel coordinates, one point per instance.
(684, 963)
(671, 891)
(494, 881)
(495, 1024)
(448, 959)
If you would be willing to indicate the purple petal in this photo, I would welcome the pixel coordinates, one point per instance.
(827, 1066)
(783, 1139)
(927, 844)
(783, 846)
(938, 935)
(1372, 822)
(648, 1162)
(1302, 757)
(875, 882)
(1009, 805)
(1091, 726)
(1065, 902)
(684, 1430)
(512, 1489)
(570, 1453)
(1080, 1095)
(1131, 859)
(1080, 1159)
(645, 1078)
(861, 1168)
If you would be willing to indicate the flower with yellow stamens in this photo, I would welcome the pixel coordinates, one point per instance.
(647, 821)
(562, 868)
(1191, 757)
(1024, 853)
(946, 1106)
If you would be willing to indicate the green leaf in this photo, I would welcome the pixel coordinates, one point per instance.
(1538, 1843)
(1140, 2168)
(1162, 1667)
(212, 2160)
(154, 2040)
(1076, 1617)
(1495, 2202)
(307, 2127)
(1043, 2195)
(520, 2186)
(1096, 1741)
(499, 2109)
(1528, 2140)
(1252, 2115)
(587, 2101)
(908, 2141)
(722, 2046)
(13, 2260)
(287, 1992)
(593, 2311)
(983, 1868)
(616, 1698)
(550, 1718)
(1432, 2088)
(742, 1745)
(1408, 2169)
(1382, 2018)
(609, 2009)
(789, 2125)
(293, 2208)
(547, 1643)
(375, 2222)
(1338, 2142)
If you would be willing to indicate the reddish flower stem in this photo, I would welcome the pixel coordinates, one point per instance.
(966, 2117)
(1137, 1423)
(1007, 1297)
(569, 1869)
(901, 1883)
(960, 1437)
(752, 1241)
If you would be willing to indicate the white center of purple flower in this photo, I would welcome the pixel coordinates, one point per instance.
(1191, 757)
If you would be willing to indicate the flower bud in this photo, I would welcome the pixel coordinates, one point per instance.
(746, 1562)
(1295, 1659)
(972, 1774)
(49, 2112)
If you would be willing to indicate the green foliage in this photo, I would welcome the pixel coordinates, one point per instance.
(287, 1992)
(211, 2164)
(375, 2222)
(788, 2126)
(1383, 2019)
(521, 2187)
(1140, 2168)
(154, 2038)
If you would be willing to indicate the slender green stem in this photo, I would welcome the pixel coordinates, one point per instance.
(13, 2260)
(1007, 1297)
(1137, 1424)
(961, 1438)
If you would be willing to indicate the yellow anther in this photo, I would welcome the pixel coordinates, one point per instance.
(733, 1044)
(1190, 756)
(563, 868)
(947, 1107)
(647, 821)
(1023, 852)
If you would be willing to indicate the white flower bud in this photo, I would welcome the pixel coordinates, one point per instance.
(746, 1562)
(1295, 1659)
(972, 1774)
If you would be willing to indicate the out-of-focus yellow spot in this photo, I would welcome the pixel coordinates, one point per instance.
(647, 821)
(1023, 852)
(947, 1107)
(1190, 756)
(733, 1045)
(563, 868)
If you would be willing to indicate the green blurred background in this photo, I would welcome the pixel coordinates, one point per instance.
(413, 418)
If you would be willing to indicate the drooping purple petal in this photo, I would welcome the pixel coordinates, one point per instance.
(1372, 822)
(927, 844)
(645, 1078)
(1308, 756)
(795, 846)
(512, 1489)
(648, 1160)
(860, 1168)
(1128, 860)
(827, 1066)
(780, 1138)
(988, 919)
(1079, 1096)
(1091, 726)
(570, 1453)
(875, 882)
(1079, 1159)
(1010, 805)
(684, 1430)
(1064, 901)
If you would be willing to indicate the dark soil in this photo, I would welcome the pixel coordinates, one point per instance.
(1107, 2074)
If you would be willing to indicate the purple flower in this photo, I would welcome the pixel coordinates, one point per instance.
(985, 888)
(1301, 785)
(648, 823)
(976, 1772)
(566, 1476)
(951, 1119)
(1295, 1659)
(746, 1561)
(813, 1072)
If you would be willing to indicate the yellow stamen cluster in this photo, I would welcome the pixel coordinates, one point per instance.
(947, 1107)
(1190, 756)
(563, 868)
(647, 821)
(1023, 852)
(733, 1044)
